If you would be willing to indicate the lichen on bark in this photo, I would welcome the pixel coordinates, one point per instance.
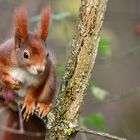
(78, 70)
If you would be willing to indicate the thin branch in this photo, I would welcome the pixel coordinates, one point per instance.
(119, 96)
(118, 57)
(20, 119)
(97, 133)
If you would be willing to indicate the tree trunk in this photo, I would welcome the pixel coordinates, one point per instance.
(63, 120)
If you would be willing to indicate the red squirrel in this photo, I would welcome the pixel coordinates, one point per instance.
(25, 64)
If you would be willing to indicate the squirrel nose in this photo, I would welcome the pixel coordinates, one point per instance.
(39, 71)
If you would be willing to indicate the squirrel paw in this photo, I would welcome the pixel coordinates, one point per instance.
(13, 84)
(43, 109)
(28, 108)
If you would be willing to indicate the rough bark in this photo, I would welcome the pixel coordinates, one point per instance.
(63, 120)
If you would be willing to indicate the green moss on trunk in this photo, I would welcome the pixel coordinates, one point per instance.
(78, 69)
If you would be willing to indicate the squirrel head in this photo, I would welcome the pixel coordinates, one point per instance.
(30, 47)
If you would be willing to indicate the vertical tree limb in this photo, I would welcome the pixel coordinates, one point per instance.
(78, 70)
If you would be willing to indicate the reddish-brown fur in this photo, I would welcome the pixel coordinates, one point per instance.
(41, 90)
(45, 22)
(21, 23)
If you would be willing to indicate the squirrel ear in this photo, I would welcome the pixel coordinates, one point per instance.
(45, 22)
(21, 27)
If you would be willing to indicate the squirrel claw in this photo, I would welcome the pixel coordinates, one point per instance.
(28, 108)
(43, 109)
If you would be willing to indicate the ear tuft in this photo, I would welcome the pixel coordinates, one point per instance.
(21, 27)
(45, 22)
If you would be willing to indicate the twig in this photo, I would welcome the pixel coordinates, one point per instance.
(20, 119)
(120, 56)
(97, 133)
(119, 96)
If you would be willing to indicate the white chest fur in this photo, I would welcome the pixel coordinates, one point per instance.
(25, 78)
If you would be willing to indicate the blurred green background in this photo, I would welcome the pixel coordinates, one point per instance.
(112, 103)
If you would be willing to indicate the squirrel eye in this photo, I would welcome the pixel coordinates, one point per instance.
(26, 54)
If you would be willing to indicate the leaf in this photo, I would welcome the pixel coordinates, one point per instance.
(61, 16)
(35, 19)
(96, 120)
(54, 17)
(104, 46)
(98, 92)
